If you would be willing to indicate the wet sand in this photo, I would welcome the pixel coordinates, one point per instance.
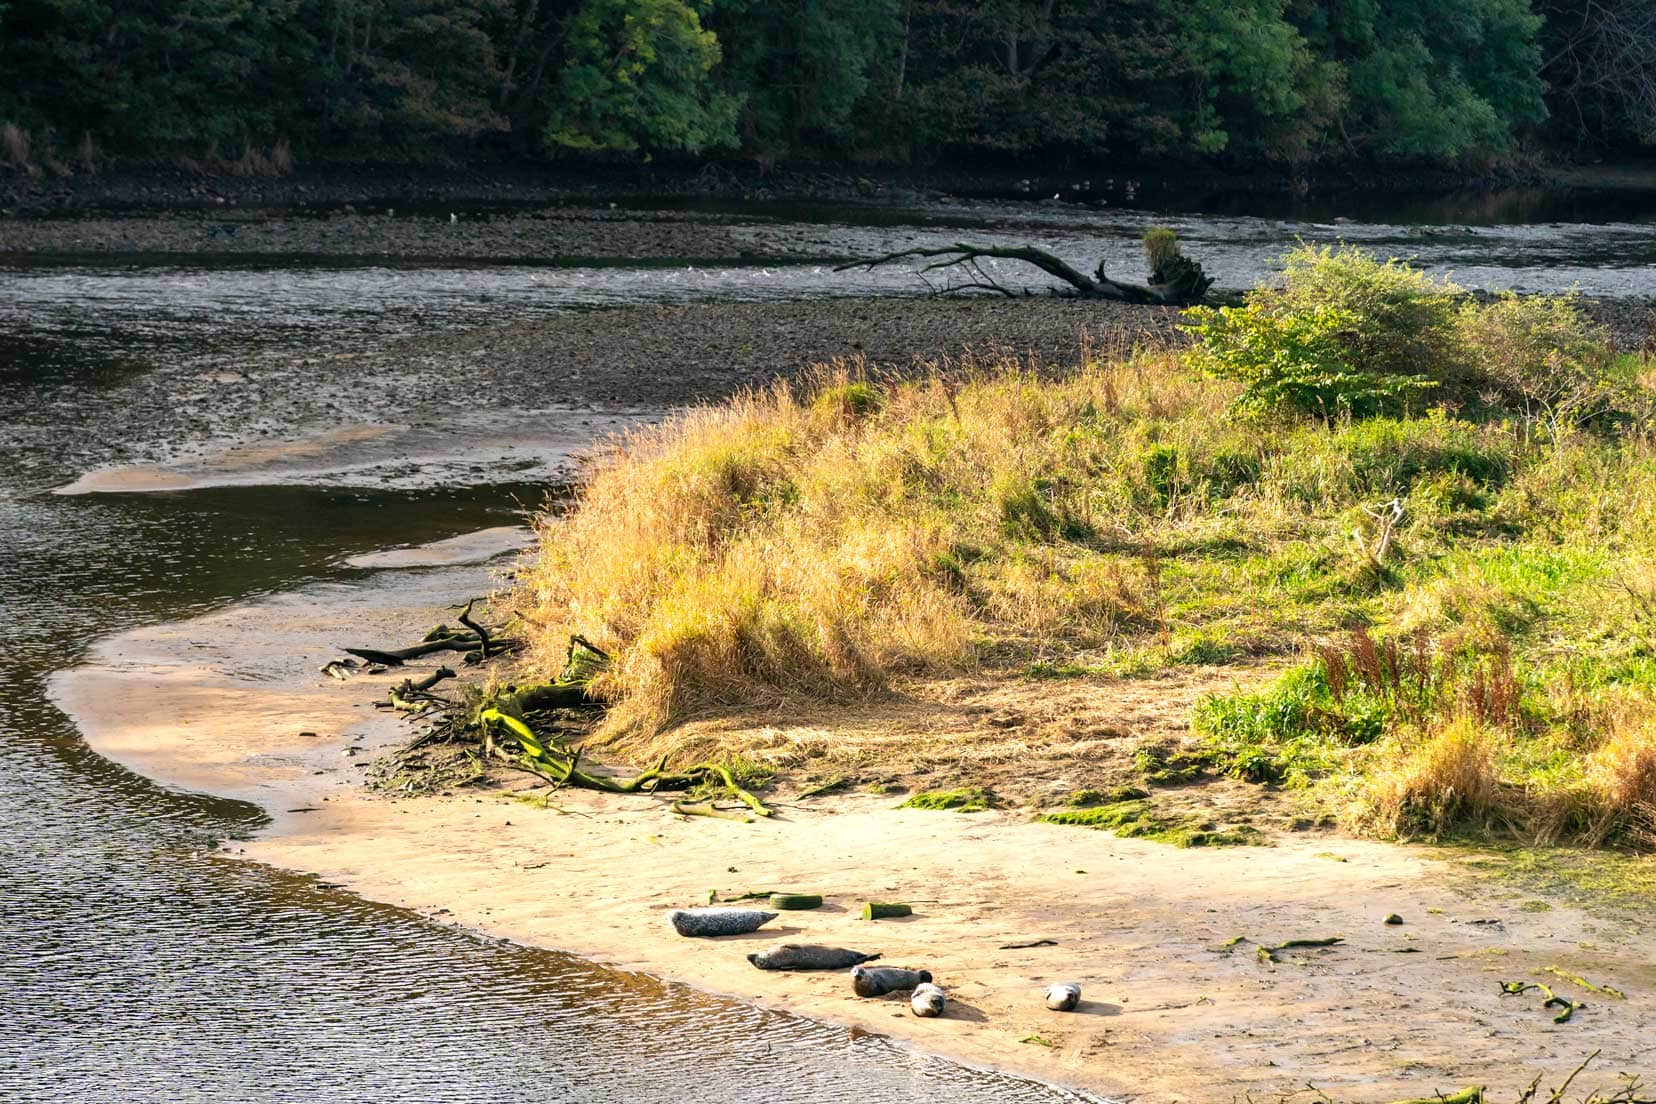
(232, 703)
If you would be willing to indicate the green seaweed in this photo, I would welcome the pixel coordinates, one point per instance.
(966, 800)
(1138, 819)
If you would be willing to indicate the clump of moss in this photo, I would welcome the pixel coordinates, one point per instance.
(1138, 819)
(1083, 798)
(968, 800)
(1164, 765)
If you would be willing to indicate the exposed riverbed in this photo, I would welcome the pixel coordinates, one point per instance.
(295, 413)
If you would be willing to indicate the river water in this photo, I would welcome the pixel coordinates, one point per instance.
(137, 963)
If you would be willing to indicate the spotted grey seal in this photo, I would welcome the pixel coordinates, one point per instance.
(927, 1000)
(877, 981)
(1063, 997)
(718, 921)
(808, 956)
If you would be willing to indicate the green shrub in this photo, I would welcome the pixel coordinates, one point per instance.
(1543, 356)
(1345, 334)
(1295, 360)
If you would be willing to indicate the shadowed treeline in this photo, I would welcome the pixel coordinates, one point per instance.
(249, 85)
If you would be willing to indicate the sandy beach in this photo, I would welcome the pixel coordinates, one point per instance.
(232, 703)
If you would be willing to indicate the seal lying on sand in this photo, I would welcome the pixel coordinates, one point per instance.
(808, 956)
(877, 981)
(718, 921)
(927, 1000)
(1063, 997)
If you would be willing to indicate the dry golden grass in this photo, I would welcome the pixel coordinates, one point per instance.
(807, 543)
(766, 571)
(1447, 781)
(1620, 776)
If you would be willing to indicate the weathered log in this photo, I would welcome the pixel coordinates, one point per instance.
(1175, 278)
(396, 657)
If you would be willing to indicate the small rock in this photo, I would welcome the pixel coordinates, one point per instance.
(1393, 918)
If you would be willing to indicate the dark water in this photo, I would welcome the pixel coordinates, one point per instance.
(136, 964)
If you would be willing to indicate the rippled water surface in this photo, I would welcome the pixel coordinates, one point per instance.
(138, 965)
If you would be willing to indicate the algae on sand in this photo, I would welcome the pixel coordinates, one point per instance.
(966, 800)
(1139, 819)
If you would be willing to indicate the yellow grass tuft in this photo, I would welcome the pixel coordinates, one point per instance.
(1620, 776)
(1448, 780)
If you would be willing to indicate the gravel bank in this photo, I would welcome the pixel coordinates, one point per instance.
(667, 355)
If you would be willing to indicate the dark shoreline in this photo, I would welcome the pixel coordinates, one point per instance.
(172, 187)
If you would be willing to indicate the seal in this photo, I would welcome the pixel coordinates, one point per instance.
(1063, 997)
(877, 981)
(927, 1000)
(718, 921)
(808, 956)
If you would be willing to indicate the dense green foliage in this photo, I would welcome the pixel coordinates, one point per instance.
(1289, 81)
(1346, 334)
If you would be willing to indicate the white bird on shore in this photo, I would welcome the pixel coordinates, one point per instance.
(453, 218)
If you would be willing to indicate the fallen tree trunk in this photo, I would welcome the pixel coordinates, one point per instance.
(1174, 278)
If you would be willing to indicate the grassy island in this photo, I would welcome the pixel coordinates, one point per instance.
(1411, 532)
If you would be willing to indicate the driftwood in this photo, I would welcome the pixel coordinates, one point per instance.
(561, 767)
(457, 642)
(415, 696)
(1175, 279)
(505, 724)
(1472, 1094)
(1606, 990)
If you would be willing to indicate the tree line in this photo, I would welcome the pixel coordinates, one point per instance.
(1292, 82)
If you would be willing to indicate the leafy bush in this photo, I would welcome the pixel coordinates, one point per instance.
(1345, 334)
(1542, 355)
